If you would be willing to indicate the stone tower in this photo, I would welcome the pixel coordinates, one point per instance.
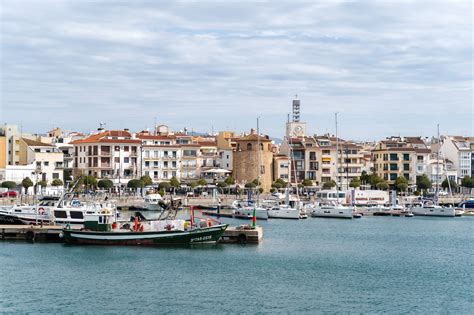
(246, 160)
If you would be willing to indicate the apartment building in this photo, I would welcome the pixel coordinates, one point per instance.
(112, 154)
(459, 150)
(48, 160)
(161, 157)
(401, 156)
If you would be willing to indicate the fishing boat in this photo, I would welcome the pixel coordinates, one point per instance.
(103, 229)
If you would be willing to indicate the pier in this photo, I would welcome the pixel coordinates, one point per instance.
(31, 233)
(243, 234)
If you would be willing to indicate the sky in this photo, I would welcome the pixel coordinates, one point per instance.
(387, 67)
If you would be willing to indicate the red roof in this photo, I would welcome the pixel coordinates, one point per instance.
(107, 136)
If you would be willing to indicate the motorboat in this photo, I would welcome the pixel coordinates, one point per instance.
(153, 202)
(333, 211)
(429, 208)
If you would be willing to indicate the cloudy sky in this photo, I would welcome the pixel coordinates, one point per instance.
(388, 67)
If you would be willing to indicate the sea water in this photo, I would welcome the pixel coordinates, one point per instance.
(369, 265)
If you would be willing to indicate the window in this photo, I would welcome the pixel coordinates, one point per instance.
(117, 148)
(147, 164)
(312, 156)
(155, 163)
(406, 157)
(76, 215)
(117, 160)
(393, 157)
(261, 146)
(406, 167)
(126, 160)
(46, 163)
(126, 148)
(393, 167)
(249, 147)
(55, 175)
(60, 214)
(393, 176)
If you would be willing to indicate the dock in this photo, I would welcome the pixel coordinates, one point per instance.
(31, 233)
(242, 235)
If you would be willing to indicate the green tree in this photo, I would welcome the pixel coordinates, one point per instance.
(222, 184)
(277, 185)
(260, 190)
(146, 179)
(202, 182)
(329, 185)
(164, 185)
(105, 184)
(255, 181)
(26, 183)
(451, 183)
(174, 182)
(272, 190)
(230, 180)
(193, 185)
(135, 183)
(374, 180)
(364, 177)
(89, 181)
(423, 183)
(401, 183)
(57, 182)
(383, 185)
(161, 192)
(250, 185)
(467, 182)
(67, 175)
(307, 182)
(42, 183)
(355, 182)
(9, 184)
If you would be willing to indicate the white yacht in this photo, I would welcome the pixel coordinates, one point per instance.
(428, 208)
(153, 202)
(50, 210)
(333, 211)
(244, 209)
(283, 212)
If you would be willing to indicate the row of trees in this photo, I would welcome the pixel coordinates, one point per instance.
(27, 183)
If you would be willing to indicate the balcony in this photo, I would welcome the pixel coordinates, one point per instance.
(105, 153)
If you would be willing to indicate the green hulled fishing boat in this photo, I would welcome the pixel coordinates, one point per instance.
(103, 229)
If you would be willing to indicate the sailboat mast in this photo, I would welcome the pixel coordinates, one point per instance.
(258, 157)
(437, 167)
(337, 162)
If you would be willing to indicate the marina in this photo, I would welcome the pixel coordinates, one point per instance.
(304, 266)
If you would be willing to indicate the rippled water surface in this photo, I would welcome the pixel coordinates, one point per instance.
(395, 265)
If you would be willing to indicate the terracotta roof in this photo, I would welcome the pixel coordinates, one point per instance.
(104, 137)
(253, 137)
(34, 143)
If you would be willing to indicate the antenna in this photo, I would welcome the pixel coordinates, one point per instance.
(296, 110)
(101, 125)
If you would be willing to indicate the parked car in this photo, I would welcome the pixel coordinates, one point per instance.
(8, 194)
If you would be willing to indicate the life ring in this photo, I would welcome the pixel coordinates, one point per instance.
(41, 210)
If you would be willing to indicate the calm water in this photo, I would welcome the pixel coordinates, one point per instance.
(395, 265)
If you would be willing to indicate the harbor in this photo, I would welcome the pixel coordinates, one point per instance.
(306, 266)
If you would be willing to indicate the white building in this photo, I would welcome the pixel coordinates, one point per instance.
(47, 158)
(113, 154)
(458, 150)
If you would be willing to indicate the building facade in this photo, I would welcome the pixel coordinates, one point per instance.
(113, 154)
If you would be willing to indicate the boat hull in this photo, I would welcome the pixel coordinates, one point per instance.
(333, 213)
(204, 235)
(434, 212)
(284, 214)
